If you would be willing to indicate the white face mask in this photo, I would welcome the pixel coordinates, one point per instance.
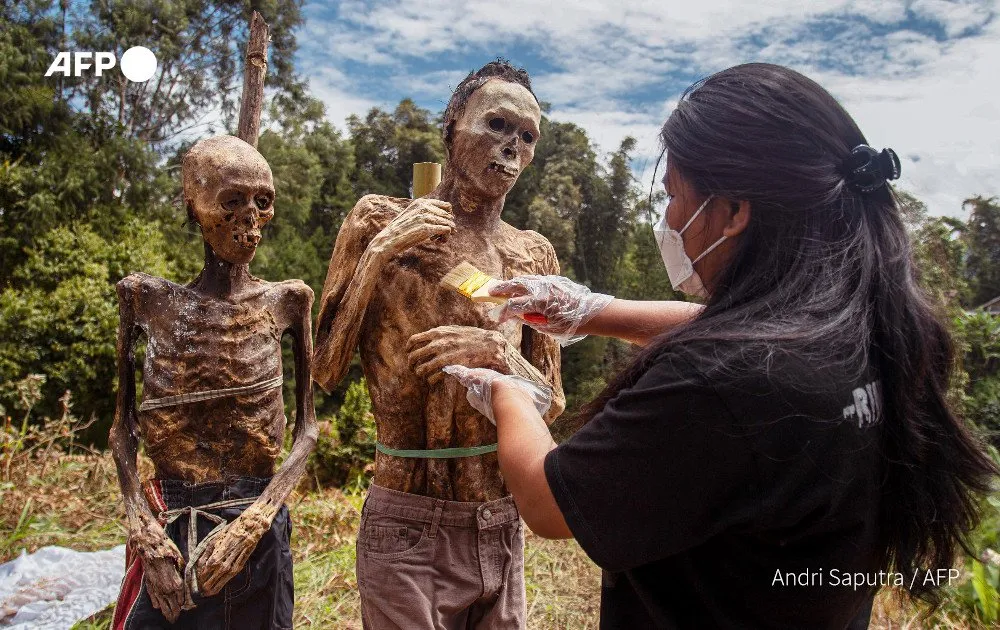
(680, 268)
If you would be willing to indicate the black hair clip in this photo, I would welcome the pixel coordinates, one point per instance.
(867, 170)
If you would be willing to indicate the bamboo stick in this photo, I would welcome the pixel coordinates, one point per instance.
(426, 177)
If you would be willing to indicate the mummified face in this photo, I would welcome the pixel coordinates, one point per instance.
(494, 138)
(229, 190)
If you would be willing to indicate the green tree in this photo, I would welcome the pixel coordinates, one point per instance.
(643, 276)
(939, 255)
(29, 109)
(982, 237)
(199, 46)
(55, 165)
(604, 224)
(943, 253)
(978, 335)
(386, 145)
(554, 209)
(62, 321)
(912, 210)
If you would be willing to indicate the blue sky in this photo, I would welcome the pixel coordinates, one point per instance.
(919, 76)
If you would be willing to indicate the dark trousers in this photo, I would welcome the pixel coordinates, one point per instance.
(259, 596)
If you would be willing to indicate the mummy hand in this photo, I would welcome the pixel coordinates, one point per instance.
(162, 565)
(429, 351)
(228, 551)
(421, 220)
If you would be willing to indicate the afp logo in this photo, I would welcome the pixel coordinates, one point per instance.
(138, 63)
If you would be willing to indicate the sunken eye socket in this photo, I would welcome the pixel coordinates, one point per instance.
(262, 201)
(527, 137)
(497, 124)
(233, 202)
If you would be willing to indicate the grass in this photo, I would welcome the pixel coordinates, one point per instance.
(76, 503)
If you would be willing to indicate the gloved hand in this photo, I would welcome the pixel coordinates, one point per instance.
(479, 382)
(564, 304)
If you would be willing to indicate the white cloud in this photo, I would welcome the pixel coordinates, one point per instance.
(955, 16)
(435, 86)
(932, 98)
(880, 11)
(946, 115)
(335, 90)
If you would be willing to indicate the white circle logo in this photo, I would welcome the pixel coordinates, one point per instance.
(138, 64)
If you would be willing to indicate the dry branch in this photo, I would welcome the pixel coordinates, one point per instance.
(255, 69)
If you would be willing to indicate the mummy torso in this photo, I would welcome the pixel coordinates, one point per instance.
(198, 344)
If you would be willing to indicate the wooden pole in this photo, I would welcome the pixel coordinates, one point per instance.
(255, 69)
(426, 177)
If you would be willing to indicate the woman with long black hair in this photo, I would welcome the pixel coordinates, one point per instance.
(771, 459)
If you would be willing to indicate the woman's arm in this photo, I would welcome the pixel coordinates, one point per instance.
(638, 321)
(569, 311)
(524, 441)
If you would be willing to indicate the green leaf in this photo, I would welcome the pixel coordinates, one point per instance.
(986, 592)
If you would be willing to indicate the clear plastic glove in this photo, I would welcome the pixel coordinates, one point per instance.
(553, 305)
(479, 382)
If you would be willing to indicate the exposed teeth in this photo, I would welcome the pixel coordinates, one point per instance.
(506, 170)
(247, 241)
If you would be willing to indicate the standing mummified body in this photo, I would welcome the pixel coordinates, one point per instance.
(382, 296)
(212, 416)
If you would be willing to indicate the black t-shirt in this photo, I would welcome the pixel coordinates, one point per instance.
(729, 502)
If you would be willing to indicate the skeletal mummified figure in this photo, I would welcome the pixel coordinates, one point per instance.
(212, 418)
(435, 458)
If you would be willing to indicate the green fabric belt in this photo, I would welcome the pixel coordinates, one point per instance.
(436, 453)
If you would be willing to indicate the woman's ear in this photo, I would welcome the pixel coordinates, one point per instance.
(739, 218)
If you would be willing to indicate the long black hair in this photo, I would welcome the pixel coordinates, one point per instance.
(824, 272)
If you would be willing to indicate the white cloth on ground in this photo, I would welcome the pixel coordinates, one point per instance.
(56, 587)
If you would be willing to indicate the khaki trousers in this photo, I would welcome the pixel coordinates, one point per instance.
(441, 565)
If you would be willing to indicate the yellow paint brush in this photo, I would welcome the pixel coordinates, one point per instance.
(476, 285)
